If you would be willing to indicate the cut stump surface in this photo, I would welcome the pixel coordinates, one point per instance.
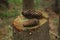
(17, 23)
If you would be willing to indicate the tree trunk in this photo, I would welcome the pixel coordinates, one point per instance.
(28, 4)
(56, 6)
(59, 19)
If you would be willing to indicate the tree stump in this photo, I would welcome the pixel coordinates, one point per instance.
(41, 33)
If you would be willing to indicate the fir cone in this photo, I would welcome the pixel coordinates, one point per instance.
(32, 14)
(31, 22)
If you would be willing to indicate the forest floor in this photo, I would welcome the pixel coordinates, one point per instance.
(54, 24)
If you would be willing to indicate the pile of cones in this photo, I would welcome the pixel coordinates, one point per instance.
(29, 20)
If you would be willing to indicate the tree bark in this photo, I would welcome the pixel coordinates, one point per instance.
(56, 6)
(28, 4)
(59, 19)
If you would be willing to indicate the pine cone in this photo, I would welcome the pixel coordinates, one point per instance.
(32, 14)
(31, 22)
